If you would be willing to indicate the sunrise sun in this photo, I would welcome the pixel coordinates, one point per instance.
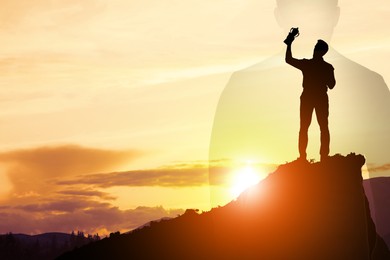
(244, 178)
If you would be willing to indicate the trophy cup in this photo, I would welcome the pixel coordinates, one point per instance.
(294, 32)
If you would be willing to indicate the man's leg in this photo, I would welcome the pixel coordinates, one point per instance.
(322, 113)
(306, 111)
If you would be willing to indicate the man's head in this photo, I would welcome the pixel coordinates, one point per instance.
(320, 49)
(284, 2)
(315, 19)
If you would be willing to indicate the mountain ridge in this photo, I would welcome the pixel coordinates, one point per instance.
(301, 211)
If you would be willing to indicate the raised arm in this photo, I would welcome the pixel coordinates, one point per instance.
(290, 59)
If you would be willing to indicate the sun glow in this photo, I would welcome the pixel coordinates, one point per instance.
(243, 179)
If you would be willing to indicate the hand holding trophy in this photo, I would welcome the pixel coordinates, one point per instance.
(294, 32)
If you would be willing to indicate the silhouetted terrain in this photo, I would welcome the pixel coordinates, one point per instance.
(40, 247)
(301, 211)
(378, 192)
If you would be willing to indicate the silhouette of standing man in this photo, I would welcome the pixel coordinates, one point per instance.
(318, 76)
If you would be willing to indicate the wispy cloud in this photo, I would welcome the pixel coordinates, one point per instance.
(87, 193)
(60, 205)
(166, 177)
(379, 168)
(183, 174)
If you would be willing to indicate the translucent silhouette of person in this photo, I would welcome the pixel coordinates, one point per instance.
(256, 117)
(318, 76)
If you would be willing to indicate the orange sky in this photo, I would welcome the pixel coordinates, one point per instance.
(99, 99)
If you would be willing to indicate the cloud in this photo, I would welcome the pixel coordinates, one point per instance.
(32, 170)
(88, 216)
(88, 193)
(153, 177)
(380, 168)
(185, 174)
(178, 175)
(59, 205)
(59, 189)
(67, 159)
(37, 203)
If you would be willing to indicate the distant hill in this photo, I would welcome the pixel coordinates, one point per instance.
(40, 247)
(378, 194)
(301, 211)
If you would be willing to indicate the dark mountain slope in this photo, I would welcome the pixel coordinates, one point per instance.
(301, 211)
